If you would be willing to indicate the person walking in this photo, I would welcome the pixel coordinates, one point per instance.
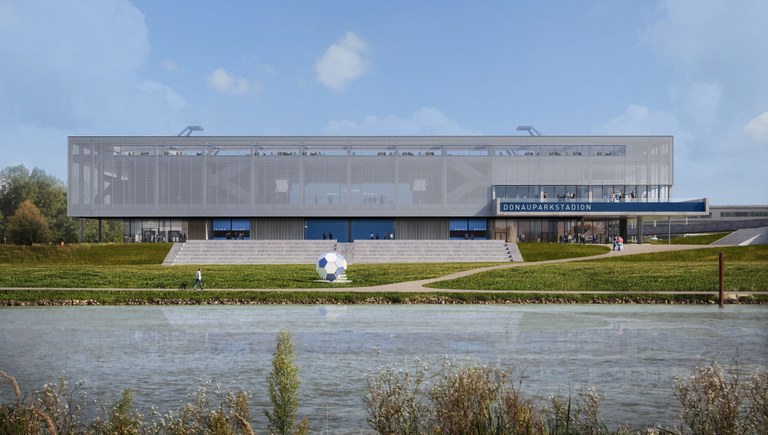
(198, 280)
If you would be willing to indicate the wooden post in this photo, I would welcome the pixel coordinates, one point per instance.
(721, 279)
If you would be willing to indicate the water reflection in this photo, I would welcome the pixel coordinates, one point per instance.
(629, 352)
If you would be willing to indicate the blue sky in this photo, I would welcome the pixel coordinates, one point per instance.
(695, 69)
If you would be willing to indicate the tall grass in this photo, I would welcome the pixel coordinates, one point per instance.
(451, 397)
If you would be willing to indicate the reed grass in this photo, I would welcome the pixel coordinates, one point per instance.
(449, 397)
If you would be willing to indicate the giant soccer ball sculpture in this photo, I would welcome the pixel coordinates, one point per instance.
(331, 266)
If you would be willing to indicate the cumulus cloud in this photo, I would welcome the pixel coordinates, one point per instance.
(715, 52)
(757, 128)
(170, 66)
(425, 121)
(170, 96)
(222, 81)
(640, 120)
(81, 78)
(343, 62)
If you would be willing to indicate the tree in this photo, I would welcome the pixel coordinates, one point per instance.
(28, 226)
(49, 194)
(283, 388)
(15, 188)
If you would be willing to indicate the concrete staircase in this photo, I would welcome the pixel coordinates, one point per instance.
(747, 236)
(433, 251)
(361, 251)
(248, 251)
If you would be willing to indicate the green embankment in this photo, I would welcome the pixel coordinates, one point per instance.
(108, 254)
(555, 251)
(105, 269)
(699, 239)
(152, 276)
(703, 239)
(746, 269)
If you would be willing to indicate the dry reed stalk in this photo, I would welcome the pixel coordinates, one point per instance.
(44, 416)
(245, 424)
(12, 380)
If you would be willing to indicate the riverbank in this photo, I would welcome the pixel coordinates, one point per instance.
(649, 274)
(251, 297)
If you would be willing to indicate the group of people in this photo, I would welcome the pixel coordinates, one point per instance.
(623, 197)
(580, 238)
(618, 243)
(387, 235)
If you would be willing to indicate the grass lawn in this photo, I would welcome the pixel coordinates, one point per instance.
(555, 251)
(701, 239)
(153, 276)
(104, 269)
(107, 254)
(746, 269)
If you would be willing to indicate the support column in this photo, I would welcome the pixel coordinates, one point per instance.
(511, 232)
(623, 228)
(639, 230)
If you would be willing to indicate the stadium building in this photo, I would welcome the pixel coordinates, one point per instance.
(514, 188)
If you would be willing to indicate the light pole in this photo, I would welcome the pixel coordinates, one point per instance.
(189, 130)
(532, 131)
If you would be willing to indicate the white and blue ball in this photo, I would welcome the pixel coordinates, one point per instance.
(331, 266)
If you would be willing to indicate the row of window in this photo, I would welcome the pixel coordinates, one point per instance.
(429, 151)
(583, 193)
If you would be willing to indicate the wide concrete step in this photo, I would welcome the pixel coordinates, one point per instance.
(361, 251)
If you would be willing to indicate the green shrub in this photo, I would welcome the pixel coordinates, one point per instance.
(283, 387)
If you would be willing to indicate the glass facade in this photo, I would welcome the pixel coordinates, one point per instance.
(551, 230)
(154, 230)
(581, 193)
(231, 229)
(349, 230)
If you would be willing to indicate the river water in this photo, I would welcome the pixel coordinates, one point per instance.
(630, 353)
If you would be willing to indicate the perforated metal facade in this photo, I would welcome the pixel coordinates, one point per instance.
(398, 177)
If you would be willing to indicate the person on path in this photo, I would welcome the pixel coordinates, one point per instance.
(198, 280)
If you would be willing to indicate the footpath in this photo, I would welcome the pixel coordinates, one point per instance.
(419, 286)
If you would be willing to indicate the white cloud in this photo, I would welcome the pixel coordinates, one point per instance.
(171, 98)
(170, 66)
(757, 128)
(700, 106)
(426, 121)
(222, 81)
(639, 120)
(343, 62)
(718, 85)
(268, 70)
(78, 78)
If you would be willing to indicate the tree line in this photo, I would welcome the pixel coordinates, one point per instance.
(33, 209)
